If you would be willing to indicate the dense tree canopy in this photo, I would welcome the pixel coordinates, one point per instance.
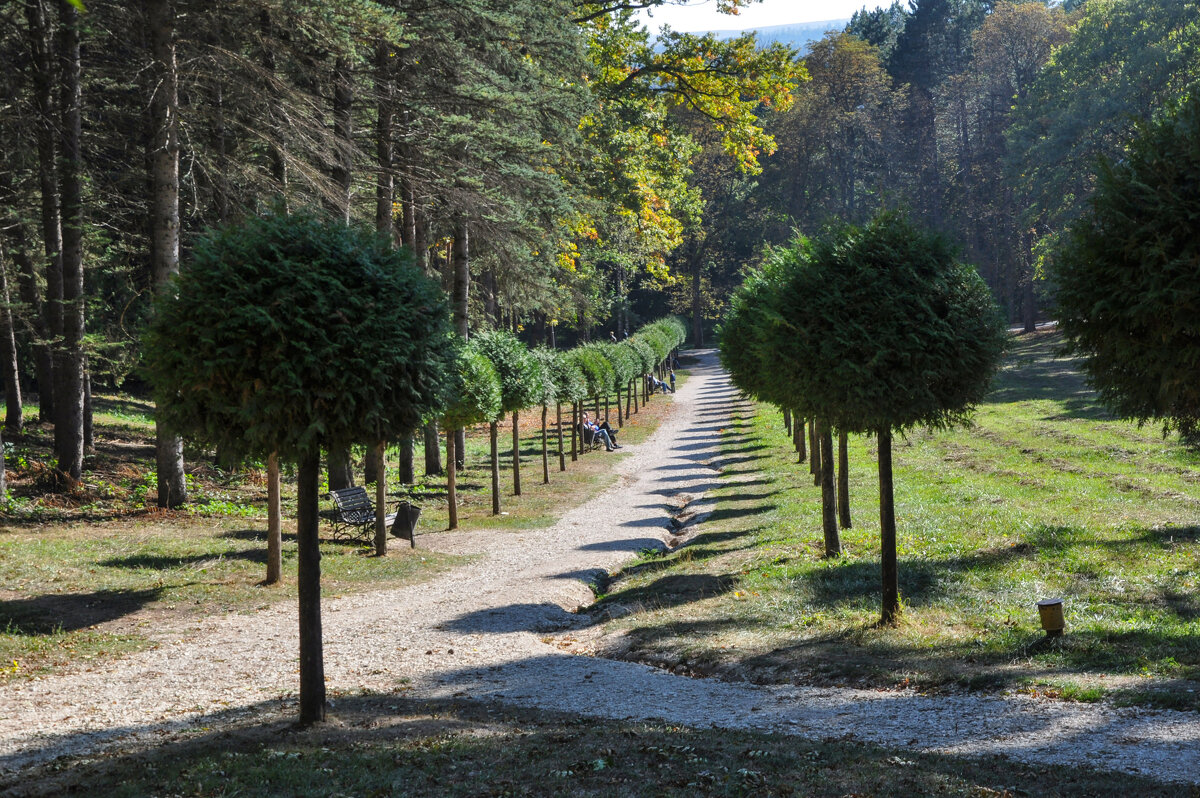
(1129, 276)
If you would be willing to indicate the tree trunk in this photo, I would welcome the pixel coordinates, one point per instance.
(341, 474)
(385, 187)
(274, 522)
(697, 307)
(308, 586)
(371, 468)
(814, 446)
(433, 450)
(27, 287)
(68, 428)
(844, 480)
(545, 448)
(787, 422)
(620, 420)
(562, 455)
(378, 455)
(1028, 304)
(574, 431)
(3, 485)
(407, 474)
(887, 533)
(49, 325)
(633, 393)
(833, 545)
(493, 430)
(164, 214)
(451, 487)
(516, 456)
(14, 410)
(460, 265)
(460, 448)
(89, 429)
(343, 135)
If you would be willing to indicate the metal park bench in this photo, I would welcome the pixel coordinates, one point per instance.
(353, 517)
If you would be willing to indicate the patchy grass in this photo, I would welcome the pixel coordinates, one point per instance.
(1045, 496)
(387, 745)
(100, 571)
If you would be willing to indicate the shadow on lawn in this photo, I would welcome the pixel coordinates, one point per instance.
(70, 612)
(381, 743)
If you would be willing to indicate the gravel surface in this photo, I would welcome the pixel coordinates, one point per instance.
(483, 631)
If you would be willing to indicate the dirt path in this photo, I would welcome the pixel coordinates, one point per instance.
(478, 632)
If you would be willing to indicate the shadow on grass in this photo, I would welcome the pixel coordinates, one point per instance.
(70, 612)
(467, 746)
(124, 406)
(1038, 374)
(166, 562)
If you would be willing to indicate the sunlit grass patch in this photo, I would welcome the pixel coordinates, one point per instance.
(1043, 496)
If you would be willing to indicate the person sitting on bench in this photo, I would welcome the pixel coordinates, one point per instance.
(601, 432)
(658, 385)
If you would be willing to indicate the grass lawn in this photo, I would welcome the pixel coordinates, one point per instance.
(388, 745)
(1045, 496)
(101, 571)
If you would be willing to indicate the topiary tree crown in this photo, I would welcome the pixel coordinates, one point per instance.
(285, 333)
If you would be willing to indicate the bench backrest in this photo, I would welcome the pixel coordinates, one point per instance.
(348, 499)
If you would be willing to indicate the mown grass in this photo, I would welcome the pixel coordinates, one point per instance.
(100, 571)
(387, 745)
(1045, 496)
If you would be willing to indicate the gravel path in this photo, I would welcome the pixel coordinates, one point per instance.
(478, 632)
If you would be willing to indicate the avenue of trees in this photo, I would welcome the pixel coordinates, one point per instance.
(871, 329)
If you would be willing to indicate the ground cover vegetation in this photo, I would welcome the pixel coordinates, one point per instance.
(387, 744)
(1044, 495)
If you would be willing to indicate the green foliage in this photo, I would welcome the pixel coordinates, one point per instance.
(1126, 60)
(878, 328)
(644, 352)
(286, 333)
(476, 393)
(742, 335)
(521, 378)
(624, 362)
(564, 380)
(1130, 276)
(594, 366)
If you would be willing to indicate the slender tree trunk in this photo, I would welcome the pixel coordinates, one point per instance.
(3, 484)
(27, 287)
(494, 435)
(633, 392)
(887, 533)
(308, 586)
(274, 522)
(545, 448)
(562, 455)
(14, 410)
(787, 422)
(89, 429)
(814, 446)
(433, 450)
(49, 316)
(164, 214)
(371, 468)
(620, 420)
(385, 186)
(407, 474)
(833, 544)
(451, 488)
(341, 474)
(380, 500)
(460, 448)
(460, 265)
(516, 455)
(343, 134)
(574, 431)
(844, 480)
(68, 429)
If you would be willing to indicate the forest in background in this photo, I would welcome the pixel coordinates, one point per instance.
(558, 170)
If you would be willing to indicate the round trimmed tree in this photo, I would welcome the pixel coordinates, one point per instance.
(521, 384)
(474, 398)
(878, 329)
(1129, 277)
(289, 333)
